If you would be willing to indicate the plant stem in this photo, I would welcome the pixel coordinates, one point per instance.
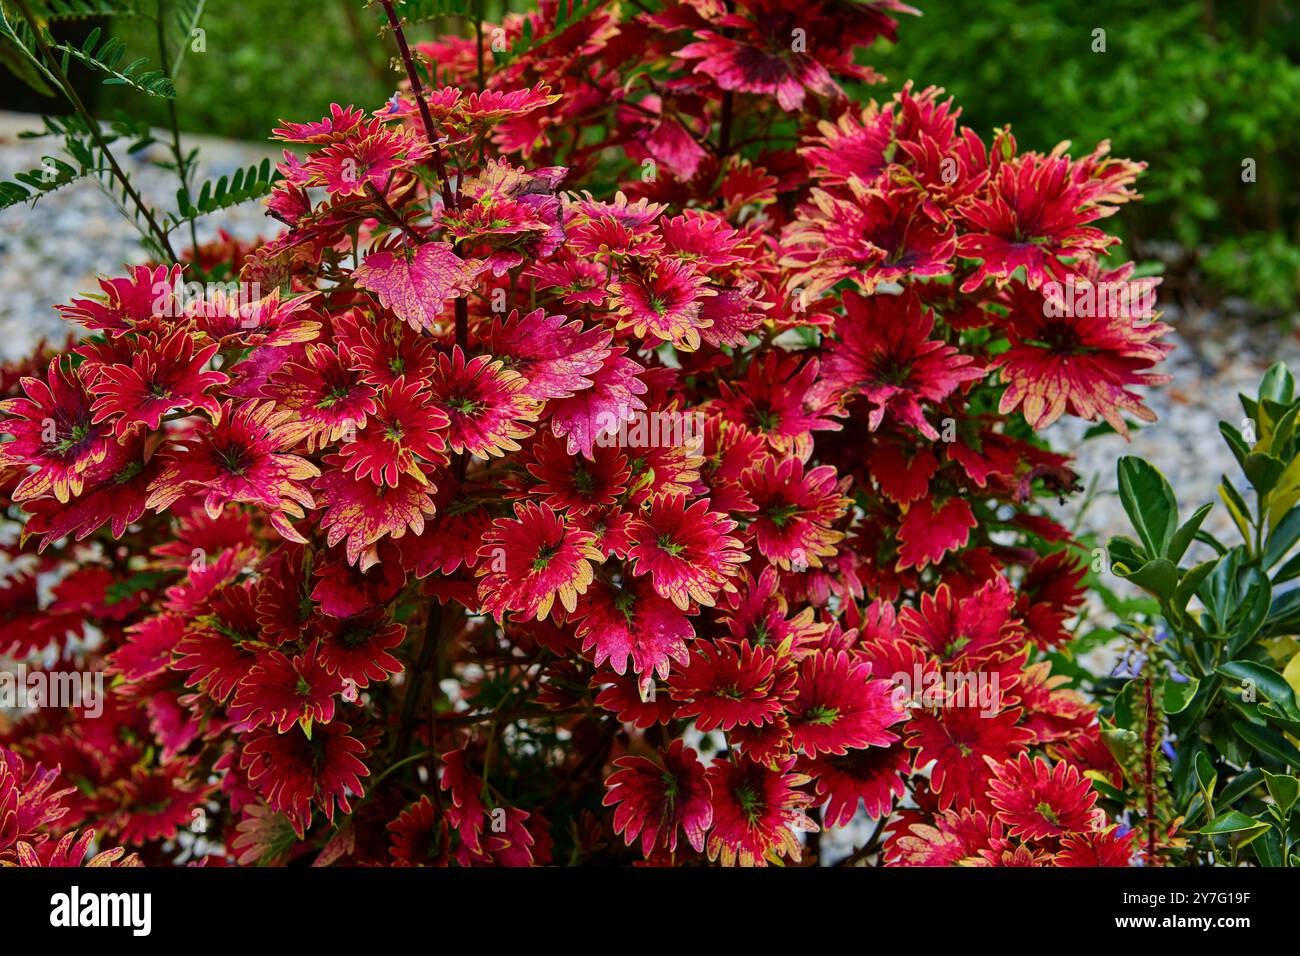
(393, 215)
(1149, 769)
(478, 36)
(462, 324)
(182, 167)
(509, 716)
(433, 627)
(417, 89)
(724, 134)
(92, 125)
(871, 846)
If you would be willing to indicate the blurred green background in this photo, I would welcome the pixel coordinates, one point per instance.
(1192, 88)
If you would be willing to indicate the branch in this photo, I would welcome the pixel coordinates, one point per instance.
(417, 88)
(53, 64)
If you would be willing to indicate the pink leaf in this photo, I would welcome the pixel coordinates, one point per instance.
(416, 288)
(597, 413)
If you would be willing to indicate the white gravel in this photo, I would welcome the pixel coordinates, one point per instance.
(54, 250)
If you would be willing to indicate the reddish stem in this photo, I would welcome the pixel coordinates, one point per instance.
(417, 88)
(1149, 758)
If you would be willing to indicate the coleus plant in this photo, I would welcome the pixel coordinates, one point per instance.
(626, 451)
(1202, 711)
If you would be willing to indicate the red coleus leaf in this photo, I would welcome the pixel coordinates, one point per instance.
(872, 777)
(1051, 593)
(113, 492)
(654, 801)
(573, 486)
(420, 836)
(219, 647)
(903, 473)
(356, 649)
(775, 401)
(148, 649)
(1109, 847)
(955, 838)
(794, 511)
(931, 529)
(240, 460)
(53, 432)
(344, 589)
(326, 394)
(837, 706)
(386, 351)
(964, 629)
(1034, 214)
(725, 686)
(634, 622)
(341, 121)
(759, 58)
(402, 435)
(884, 352)
(466, 812)
(359, 512)
(279, 692)
(154, 803)
(530, 560)
(756, 810)
(366, 159)
(1037, 801)
(1085, 363)
(266, 321)
(129, 303)
(598, 412)
(871, 237)
(292, 772)
(686, 550)
(416, 283)
(165, 375)
(485, 403)
(958, 739)
(663, 304)
(556, 357)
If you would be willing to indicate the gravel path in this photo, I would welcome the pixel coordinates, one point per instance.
(54, 250)
(1216, 357)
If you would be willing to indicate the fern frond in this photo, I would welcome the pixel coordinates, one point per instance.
(51, 11)
(184, 21)
(36, 183)
(245, 185)
(107, 58)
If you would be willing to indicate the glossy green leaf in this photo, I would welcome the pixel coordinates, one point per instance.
(1268, 741)
(1159, 577)
(1149, 502)
(1283, 788)
(1235, 823)
(1178, 694)
(1186, 533)
(1265, 680)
